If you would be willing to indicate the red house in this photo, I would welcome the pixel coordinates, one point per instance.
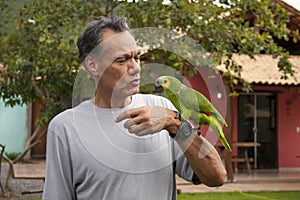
(270, 113)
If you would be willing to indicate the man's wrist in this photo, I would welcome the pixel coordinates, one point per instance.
(184, 131)
(173, 129)
(181, 130)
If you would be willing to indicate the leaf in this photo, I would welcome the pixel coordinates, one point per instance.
(48, 48)
(295, 40)
(244, 41)
(42, 39)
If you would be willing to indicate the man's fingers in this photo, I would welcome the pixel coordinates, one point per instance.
(140, 129)
(132, 122)
(126, 114)
(122, 116)
(144, 120)
(137, 124)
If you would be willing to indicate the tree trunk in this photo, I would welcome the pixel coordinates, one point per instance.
(229, 119)
(29, 144)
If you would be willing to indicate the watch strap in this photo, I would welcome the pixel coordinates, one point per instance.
(184, 131)
(177, 116)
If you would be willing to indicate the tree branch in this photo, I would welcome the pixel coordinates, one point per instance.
(114, 5)
(11, 162)
(30, 146)
(37, 89)
(33, 135)
(10, 171)
(97, 6)
(106, 7)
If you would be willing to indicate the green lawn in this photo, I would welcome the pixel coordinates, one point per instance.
(241, 196)
(237, 196)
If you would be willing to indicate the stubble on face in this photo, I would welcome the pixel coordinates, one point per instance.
(120, 67)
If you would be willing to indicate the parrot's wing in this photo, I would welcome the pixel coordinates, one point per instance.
(206, 104)
(184, 107)
(199, 103)
(173, 98)
(185, 112)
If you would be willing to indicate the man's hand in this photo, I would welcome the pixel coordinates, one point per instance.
(149, 120)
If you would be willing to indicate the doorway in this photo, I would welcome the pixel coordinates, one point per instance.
(257, 122)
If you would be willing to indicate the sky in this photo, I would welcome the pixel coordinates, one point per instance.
(294, 3)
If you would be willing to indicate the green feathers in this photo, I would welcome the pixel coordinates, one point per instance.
(193, 105)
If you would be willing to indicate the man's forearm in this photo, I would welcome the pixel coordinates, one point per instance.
(201, 155)
(204, 160)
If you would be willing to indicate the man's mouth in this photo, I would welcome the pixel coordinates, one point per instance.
(135, 82)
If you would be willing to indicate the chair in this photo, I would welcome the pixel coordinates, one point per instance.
(2, 149)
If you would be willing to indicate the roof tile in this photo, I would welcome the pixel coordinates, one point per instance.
(263, 69)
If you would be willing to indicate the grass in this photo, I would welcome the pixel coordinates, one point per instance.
(241, 196)
(12, 155)
(237, 196)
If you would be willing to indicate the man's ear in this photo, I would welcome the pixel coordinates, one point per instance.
(92, 66)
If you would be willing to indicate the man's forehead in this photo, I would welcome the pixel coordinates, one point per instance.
(108, 33)
(123, 41)
(115, 45)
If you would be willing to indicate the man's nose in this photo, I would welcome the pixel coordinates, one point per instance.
(134, 67)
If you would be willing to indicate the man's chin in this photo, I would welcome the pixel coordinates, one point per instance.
(135, 91)
(126, 93)
(129, 93)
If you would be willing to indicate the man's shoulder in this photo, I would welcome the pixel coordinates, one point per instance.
(66, 117)
(151, 99)
(61, 118)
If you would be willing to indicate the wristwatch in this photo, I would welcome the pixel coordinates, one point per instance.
(184, 131)
(185, 128)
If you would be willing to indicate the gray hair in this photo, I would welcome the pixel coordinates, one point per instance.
(92, 36)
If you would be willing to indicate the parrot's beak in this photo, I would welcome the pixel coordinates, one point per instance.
(158, 87)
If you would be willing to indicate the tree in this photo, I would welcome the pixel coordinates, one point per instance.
(38, 44)
(222, 28)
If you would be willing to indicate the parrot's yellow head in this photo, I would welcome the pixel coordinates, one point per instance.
(168, 82)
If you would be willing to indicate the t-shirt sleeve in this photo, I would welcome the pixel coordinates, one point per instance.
(58, 182)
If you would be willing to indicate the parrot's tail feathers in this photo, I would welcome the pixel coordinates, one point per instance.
(219, 132)
(226, 145)
(225, 123)
(199, 126)
(224, 141)
(220, 117)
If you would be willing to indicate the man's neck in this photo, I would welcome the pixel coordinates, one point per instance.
(109, 102)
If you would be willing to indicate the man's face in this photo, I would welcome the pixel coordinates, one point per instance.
(119, 64)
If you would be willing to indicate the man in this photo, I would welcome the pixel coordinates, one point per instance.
(121, 144)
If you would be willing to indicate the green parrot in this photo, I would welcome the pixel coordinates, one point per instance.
(192, 105)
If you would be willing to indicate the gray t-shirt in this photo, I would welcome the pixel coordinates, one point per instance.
(89, 156)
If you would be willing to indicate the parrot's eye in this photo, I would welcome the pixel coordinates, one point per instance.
(165, 81)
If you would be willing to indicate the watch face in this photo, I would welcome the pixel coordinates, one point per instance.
(186, 128)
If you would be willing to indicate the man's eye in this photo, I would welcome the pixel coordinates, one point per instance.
(121, 60)
(137, 58)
